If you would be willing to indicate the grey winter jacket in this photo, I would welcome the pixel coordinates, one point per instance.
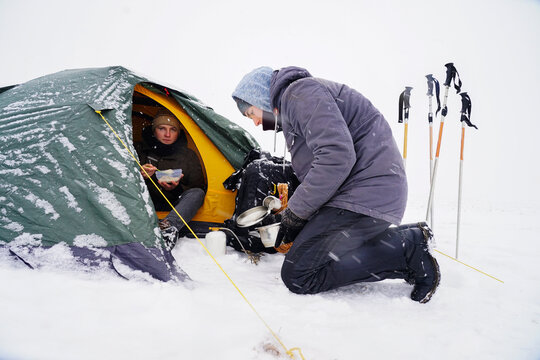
(342, 148)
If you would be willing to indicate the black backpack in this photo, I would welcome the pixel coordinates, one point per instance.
(258, 178)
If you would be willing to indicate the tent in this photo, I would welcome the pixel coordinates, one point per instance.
(67, 181)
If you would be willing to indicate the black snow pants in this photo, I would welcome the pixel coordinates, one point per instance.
(338, 247)
(187, 206)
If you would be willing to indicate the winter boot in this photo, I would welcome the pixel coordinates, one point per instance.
(170, 234)
(423, 268)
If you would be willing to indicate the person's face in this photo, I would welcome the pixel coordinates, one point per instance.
(255, 114)
(166, 134)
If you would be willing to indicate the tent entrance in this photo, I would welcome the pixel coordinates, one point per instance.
(219, 202)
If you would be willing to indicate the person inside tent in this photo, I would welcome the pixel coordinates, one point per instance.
(352, 186)
(164, 147)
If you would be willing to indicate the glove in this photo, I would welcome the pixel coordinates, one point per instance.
(271, 219)
(290, 226)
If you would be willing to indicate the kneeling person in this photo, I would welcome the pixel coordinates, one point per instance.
(353, 185)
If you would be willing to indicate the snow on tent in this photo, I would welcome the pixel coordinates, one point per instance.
(71, 194)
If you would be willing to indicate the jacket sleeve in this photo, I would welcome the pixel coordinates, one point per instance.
(314, 114)
(193, 174)
(140, 153)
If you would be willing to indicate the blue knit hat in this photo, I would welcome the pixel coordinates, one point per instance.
(254, 88)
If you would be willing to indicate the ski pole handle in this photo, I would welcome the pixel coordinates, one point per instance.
(430, 95)
(407, 104)
(429, 84)
(466, 108)
(404, 103)
(407, 96)
(451, 75)
(465, 103)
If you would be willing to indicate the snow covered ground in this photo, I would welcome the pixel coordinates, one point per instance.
(55, 314)
(376, 47)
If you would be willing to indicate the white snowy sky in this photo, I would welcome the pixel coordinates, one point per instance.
(377, 47)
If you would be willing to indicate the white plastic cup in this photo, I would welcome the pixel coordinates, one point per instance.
(215, 242)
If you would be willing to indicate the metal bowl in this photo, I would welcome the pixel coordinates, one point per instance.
(272, 203)
(252, 216)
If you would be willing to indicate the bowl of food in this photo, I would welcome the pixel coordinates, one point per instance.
(170, 175)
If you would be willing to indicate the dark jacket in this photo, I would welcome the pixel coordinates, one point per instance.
(174, 156)
(342, 148)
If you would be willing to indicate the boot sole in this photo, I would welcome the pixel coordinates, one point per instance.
(428, 236)
(436, 284)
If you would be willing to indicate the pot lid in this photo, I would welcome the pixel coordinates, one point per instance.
(252, 216)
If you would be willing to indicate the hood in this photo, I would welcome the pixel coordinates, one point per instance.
(254, 88)
(281, 79)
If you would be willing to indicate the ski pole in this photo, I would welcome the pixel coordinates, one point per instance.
(431, 82)
(404, 105)
(465, 120)
(451, 74)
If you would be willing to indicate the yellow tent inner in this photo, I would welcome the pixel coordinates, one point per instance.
(219, 202)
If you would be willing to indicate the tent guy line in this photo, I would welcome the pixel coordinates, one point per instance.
(288, 351)
(461, 262)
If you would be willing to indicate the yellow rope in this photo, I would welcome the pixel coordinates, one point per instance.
(480, 271)
(289, 352)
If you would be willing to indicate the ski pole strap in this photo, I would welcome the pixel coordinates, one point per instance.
(430, 82)
(451, 75)
(404, 103)
(466, 107)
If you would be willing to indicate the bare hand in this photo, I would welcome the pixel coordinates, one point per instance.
(169, 185)
(150, 170)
